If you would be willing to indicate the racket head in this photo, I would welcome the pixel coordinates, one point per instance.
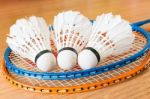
(24, 67)
(79, 84)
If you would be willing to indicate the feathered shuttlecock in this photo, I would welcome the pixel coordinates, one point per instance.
(72, 30)
(30, 38)
(111, 35)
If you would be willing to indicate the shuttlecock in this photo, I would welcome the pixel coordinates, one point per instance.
(111, 35)
(30, 38)
(72, 30)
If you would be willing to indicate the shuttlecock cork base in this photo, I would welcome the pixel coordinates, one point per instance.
(88, 58)
(41, 53)
(45, 60)
(67, 58)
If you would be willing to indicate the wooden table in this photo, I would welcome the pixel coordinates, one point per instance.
(132, 10)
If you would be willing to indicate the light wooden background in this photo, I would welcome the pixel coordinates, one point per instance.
(132, 10)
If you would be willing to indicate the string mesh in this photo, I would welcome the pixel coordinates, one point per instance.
(78, 81)
(26, 64)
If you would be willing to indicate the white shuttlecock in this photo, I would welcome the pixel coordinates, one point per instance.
(111, 35)
(30, 38)
(72, 30)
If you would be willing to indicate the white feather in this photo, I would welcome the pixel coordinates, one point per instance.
(30, 36)
(71, 30)
(117, 32)
(110, 35)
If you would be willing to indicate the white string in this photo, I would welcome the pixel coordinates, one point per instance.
(78, 81)
(23, 63)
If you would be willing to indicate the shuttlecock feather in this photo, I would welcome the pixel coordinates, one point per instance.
(111, 35)
(30, 38)
(72, 30)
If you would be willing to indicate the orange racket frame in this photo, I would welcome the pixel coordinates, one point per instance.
(81, 88)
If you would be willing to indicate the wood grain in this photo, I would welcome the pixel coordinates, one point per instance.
(132, 10)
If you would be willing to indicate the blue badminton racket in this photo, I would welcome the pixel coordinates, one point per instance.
(24, 67)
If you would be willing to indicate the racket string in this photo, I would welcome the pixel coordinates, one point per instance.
(78, 81)
(26, 64)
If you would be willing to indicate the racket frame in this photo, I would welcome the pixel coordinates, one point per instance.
(80, 73)
(80, 88)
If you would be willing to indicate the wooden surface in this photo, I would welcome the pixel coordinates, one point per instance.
(132, 10)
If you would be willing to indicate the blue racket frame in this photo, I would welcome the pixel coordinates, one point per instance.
(140, 23)
(81, 73)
